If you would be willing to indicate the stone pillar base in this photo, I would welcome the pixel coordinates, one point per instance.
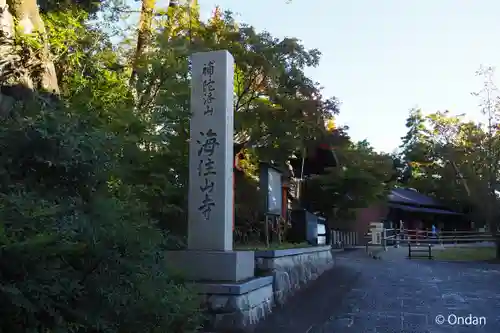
(216, 266)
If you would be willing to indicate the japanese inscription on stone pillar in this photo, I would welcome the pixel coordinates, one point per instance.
(211, 148)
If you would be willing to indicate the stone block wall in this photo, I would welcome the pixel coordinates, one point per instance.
(292, 269)
(238, 308)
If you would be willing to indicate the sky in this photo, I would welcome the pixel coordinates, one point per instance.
(381, 58)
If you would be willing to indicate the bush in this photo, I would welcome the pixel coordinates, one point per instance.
(78, 252)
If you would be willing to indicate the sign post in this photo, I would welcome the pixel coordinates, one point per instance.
(271, 187)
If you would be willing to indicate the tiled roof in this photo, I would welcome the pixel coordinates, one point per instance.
(422, 210)
(411, 197)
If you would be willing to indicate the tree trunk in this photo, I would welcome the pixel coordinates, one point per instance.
(143, 37)
(21, 74)
(7, 56)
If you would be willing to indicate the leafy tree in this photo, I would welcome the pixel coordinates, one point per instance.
(457, 162)
(434, 154)
(87, 254)
(363, 178)
(415, 150)
(277, 108)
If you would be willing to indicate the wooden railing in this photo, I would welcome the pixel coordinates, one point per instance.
(424, 238)
(446, 237)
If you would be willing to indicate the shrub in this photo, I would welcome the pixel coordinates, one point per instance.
(78, 252)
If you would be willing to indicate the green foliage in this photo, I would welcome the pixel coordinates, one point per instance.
(450, 161)
(76, 251)
(278, 108)
(89, 6)
(363, 179)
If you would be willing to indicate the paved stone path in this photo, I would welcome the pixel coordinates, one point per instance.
(400, 295)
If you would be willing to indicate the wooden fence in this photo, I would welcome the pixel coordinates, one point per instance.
(445, 237)
(419, 242)
(422, 236)
(344, 239)
(416, 239)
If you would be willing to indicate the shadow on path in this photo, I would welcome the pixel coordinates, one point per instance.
(313, 304)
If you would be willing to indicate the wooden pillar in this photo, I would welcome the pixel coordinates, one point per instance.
(234, 195)
(284, 200)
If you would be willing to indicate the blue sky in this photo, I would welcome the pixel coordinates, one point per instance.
(381, 58)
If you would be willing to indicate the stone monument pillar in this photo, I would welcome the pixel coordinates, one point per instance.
(211, 152)
(210, 255)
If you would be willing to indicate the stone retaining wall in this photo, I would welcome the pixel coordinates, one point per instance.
(292, 268)
(237, 308)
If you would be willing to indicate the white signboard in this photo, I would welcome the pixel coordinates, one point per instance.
(274, 192)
